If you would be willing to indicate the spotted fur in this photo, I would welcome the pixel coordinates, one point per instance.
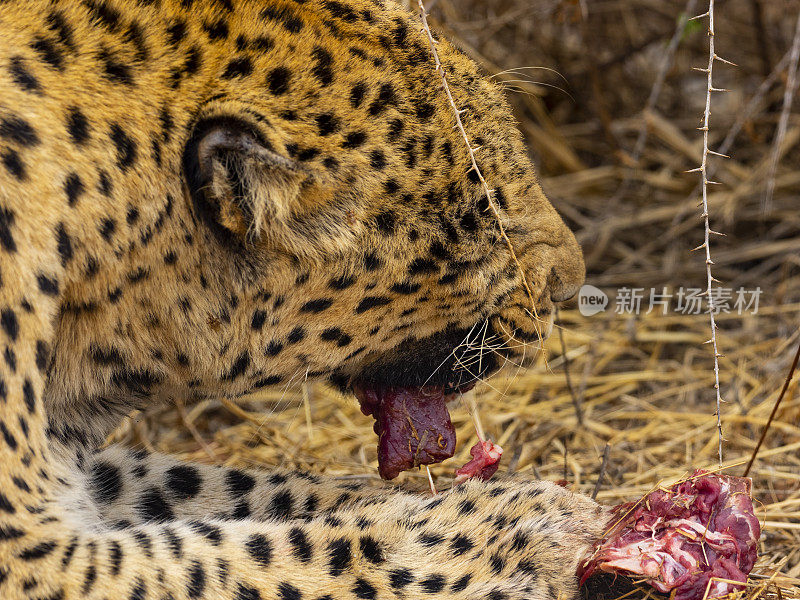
(213, 196)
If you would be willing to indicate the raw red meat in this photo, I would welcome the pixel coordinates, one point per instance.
(682, 537)
(485, 460)
(412, 424)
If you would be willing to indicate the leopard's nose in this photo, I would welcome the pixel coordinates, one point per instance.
(567, 269)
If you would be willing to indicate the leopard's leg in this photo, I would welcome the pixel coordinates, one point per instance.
(508, 539)
(489, 538)
(134, 486)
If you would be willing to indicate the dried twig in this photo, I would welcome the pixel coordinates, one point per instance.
(658, 84)
(774, 411)
(703, 170)
(602, 473)
(430, 481)
(187, 422)
(655, 92)
(762, 37)
(744, 114)
(575, 400)
(783, 123)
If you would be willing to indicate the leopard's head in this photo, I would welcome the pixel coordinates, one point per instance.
(326, 221)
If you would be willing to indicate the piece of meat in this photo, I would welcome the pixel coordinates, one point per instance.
(412, 424)
(485, 460)
(698, 531)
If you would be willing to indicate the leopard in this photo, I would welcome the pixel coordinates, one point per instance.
(204, 198)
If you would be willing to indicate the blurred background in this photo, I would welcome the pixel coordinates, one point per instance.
(607, 98)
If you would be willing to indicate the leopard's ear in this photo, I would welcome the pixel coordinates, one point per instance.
(238, 184)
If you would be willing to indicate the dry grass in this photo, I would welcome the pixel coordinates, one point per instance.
(644, 384)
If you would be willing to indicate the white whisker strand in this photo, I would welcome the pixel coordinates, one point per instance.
(452, 353)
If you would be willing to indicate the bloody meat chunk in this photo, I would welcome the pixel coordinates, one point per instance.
(485, 460)
(682, 537)
(412, 424)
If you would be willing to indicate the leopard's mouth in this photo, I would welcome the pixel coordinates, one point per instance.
(412, 423)
(407, 390)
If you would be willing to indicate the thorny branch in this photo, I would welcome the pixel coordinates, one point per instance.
(423, 14)
(703, 170)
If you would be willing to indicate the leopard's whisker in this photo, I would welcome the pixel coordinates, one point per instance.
(452, 353)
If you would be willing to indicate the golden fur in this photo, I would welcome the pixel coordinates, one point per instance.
(207, 197)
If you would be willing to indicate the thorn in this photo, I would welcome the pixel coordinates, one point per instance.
(696, 170)
(718, 154)
(709, 182)
(713, 89)
(722, 60)
(705, 14)
(709, 341)
(703, 128)
(703, 215)
(711, 231)
(701, 69)
(709, 262)
(698, 248)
